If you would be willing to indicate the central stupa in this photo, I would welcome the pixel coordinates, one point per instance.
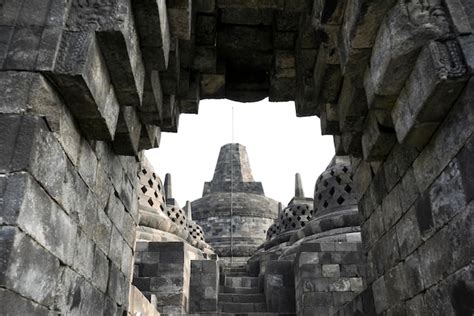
(234, 212)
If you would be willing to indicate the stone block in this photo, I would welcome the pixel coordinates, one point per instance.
(118, 286)
(352, 106)
(139, 304)
(435, 83)
(127, 261)
(19, 254)
(358, 33)
(467, 47)
(100, 272)
(87, 164)
(330, 270)
(362, 178)
(352, 142)
(329, 119)
(435, 258)
(154, 41)
(12, 303)
(116, 247)
(189, 102)
(409, 190)
(102, 227)
(180, 18)
(206, 30)
(406, 28)
(32, 94)
(171, 112)
(203, 286)
(284, 40)
(152, 107)
(84, 255)
(374, 227)
(117, 37)
(327, 76)
(236, 37)
(387, 252)
(408, 233)
(282, 89)
(459, 17)
(71, 286)
(29, 207)
(447, 196)
(32, 143)
(380, 295)
(247, 16)
(23, 48)
(448, 140)
(150, 137)
(416, 305)
(74, 193)
(69, 136)
(89, 95)
(391, 208)
(127, 135)
(205, 6)
(413, 275)
(170, 77)
(212, 86)
(315, 299)
(205, 59)
(377, 140)
(466, 169)
(10, 127)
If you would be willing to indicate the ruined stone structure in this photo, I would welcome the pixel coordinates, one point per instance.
(234, 212)
(316, 266)
(86, 85)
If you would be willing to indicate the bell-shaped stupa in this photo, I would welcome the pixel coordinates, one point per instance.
(234, 212)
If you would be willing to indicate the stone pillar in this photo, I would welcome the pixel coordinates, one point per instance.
(299, 193)
(327, 276)
(164, 269)
(204, 286)
(279, 287)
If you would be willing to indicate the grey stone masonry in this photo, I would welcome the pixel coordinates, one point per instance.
(327, 276)
(163, 269)
(87, 84)
(68, 212)
(233, 173)
(204, 286)
(233, 212)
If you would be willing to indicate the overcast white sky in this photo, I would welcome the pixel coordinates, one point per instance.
(278, 145)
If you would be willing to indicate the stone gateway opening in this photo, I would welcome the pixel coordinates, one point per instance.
(88, 228)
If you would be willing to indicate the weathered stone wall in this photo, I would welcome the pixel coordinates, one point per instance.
(86, 81)
(418, 218)
(327, 276)
(68, 208)
(163, 269)
(204, 286)
(403, 111)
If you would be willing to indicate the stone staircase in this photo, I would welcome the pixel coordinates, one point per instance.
(241, 294)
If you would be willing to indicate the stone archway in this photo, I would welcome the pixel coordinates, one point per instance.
(86, 85)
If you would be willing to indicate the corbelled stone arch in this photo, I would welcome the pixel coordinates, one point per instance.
(88, 84)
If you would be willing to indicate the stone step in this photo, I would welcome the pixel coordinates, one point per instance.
(240, 290)
(234, 269)
(241, 298)
(229, 307)
(241, 281)
(235, 274)
(235, 314)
